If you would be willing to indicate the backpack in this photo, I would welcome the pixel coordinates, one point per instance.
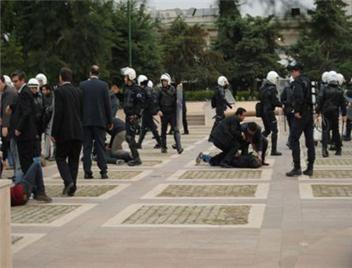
(18, 195)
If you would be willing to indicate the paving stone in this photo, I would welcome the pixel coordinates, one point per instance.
(82, 190)
(332, 174)
(15, 239)
(333, 162)
(221, 174)
(330, 190)
(37, 214)
(209, 191)
(190, 214)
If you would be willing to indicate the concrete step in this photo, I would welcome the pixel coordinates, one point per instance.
(196, 119)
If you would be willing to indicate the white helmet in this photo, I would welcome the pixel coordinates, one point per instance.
(150, 84)
(130, 72)
(33, 82)
(324, 77)
(222, 81)
(332, 78)
(141, 78)
(41, 79)
(340, 79)
(8, 80)
(166, 77)
(272, 77)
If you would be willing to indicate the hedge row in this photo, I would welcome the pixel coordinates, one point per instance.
(203, 95)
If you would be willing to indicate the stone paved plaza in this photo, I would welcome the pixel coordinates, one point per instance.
(170, 213)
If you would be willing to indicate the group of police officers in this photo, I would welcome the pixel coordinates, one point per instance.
(303, 104)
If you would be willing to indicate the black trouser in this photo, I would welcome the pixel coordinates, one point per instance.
(132, 125)
(96, 135)
(67, 160)
(5, 147)
(26, 152)
(170, 119)
(184, 120)
(290, 117)
(331, 122)
(228, 151)
(348, 128)
(303, 125)
(270, 126)
(148, 123)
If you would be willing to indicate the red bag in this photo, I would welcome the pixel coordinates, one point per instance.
(18, 195)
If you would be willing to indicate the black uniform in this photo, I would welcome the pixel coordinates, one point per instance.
(151, 108)
(269, 101)
(348, 95)
(288, 110)
(167, 104)
(220, 103)
(330, 101)
(133, 106)
(227, 137)
(302, 104)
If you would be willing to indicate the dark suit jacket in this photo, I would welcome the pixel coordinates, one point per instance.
(96, 103)
(7, 99)
(67, 124)
(23, 117)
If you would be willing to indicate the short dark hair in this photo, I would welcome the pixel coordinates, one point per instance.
(117, 81)
(94, 70)
(21, 74)
(252, 126)
(240, 111)
(66, 74)
(2, 78)
(47, 86)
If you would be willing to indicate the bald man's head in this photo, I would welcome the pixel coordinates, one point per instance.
(94, 70)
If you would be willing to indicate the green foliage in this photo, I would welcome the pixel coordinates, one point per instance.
(11, 55)
(204, 95)
(326, 41)
(247, 43)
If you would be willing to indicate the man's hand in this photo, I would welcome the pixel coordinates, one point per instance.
(110, 126)
(160, 113)
(243, 136)
(52, 139)
(298, 115)
(8, 110)
(17, 133)
(5, 132)
(344, 119)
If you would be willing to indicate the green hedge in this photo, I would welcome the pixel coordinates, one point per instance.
(203, 95)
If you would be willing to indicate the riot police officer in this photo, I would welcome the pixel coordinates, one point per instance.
(167, 112)
(133, 105)
(330, 101)
(303, 120)
(151, 108)
(269, 101)
(219, 101)
(285, 98)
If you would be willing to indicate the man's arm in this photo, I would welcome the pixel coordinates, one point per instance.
(58, 113)
(107, 104)
(24, 103)
(298, 97)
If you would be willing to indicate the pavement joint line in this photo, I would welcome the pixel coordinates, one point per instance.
(82, 208)
(306, 191)
(261, 191)
(255, 217)
(25, 241)
(117, 189)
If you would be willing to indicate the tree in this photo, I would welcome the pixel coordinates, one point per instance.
(325, 42)
(146, 50)
(247, 43)
(186, 56)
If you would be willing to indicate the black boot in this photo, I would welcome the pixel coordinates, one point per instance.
(296, 171)
(325, 152)
(274, 151)
(309, 170)
(338, 151)
(135, 162)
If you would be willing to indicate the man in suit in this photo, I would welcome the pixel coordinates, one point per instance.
(96, 119)
(67, 130)
(24, 121)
